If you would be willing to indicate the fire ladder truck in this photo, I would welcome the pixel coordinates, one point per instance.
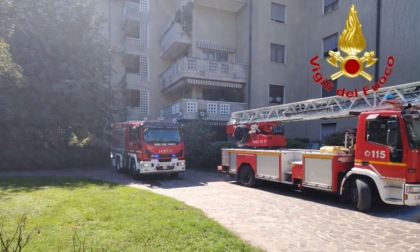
(381, 158)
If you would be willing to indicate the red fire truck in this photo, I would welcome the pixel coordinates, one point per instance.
(145, 147)
(381, 158)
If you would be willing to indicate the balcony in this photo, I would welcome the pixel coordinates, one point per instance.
(133, 80)
(133, 46)
(132, 49)
(191, 71)
(192, 109)
(131, 17)
(227, 5)
(176, 37)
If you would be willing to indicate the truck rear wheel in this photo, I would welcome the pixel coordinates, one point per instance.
(247, 176)
(360, 195)
(118, 167)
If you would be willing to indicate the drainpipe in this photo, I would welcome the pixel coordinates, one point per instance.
(250, 55)
(378, 36)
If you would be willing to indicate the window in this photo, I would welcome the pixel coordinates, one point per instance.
(332, 92)
(327, 129)
(139, 99)
(277, 53)
(330, 5)
(212, 67)
(175, 108)
(276, 94)
(144, 68)
(330, 43)
(376, 131)
(133, 98)
(192, 64)
(191, 106)
(212, 108)
(215, 55)
(225, 109)
(278, 12)
(144, 34)
(225, 68)
(144, 6)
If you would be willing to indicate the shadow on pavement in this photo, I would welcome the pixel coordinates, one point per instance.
(378, 209)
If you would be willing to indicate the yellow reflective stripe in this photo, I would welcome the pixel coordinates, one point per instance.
(317, 156)
(382, 163)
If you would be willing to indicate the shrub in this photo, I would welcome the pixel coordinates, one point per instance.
(212, 155)
(71, 157)
(336, 139)
(297, 143)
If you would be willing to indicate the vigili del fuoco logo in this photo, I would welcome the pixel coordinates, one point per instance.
(351, 42)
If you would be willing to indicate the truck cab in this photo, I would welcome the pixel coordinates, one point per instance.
(387, 158)
(145, 147)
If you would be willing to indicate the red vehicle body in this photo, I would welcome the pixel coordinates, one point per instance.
(380, 158)
(145, 147)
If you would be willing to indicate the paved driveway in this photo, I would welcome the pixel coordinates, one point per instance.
(275, 218)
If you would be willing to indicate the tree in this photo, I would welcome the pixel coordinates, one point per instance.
(65, 61)
(197, 135)
(10, 72)
(10, 78)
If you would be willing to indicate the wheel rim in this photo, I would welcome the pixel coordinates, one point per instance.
(354, 195)
(246, 176)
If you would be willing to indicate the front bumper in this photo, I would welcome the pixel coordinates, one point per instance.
(412, 194)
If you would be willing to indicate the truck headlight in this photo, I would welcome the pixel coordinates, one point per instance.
(412, 189)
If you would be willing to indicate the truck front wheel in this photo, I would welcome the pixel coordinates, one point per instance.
(360, 195)
(247, 176)
(133, 170)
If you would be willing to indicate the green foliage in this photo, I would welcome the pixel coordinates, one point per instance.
(79, 214)
(297, 143)
(65, 62)
(212, 155)
(336, 139)
(197, 135)
(71, 157)
(10, 72)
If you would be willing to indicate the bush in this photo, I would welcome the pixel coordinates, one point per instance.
(336, 139)
(197, 134)
(212, 155)
(297, 143)
(71, 157)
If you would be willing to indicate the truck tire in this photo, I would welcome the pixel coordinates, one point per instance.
(118, 167)
(247, 176)
(360, 195)
(133, 170)
(241, 134)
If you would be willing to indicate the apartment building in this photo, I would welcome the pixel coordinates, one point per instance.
(203, 59)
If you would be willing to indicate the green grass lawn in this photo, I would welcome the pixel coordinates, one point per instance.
(101, 216)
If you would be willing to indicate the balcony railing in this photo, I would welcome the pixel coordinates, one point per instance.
(192, 109)
(203, 70)
(131, 15)
(175, 38)
(133, 46)
(227, 5)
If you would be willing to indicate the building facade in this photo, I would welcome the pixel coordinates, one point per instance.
(203, 59)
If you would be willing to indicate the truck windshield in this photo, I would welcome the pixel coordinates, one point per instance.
(160, 135)
(412, 125)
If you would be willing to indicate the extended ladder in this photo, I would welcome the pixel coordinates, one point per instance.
(330, 107)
